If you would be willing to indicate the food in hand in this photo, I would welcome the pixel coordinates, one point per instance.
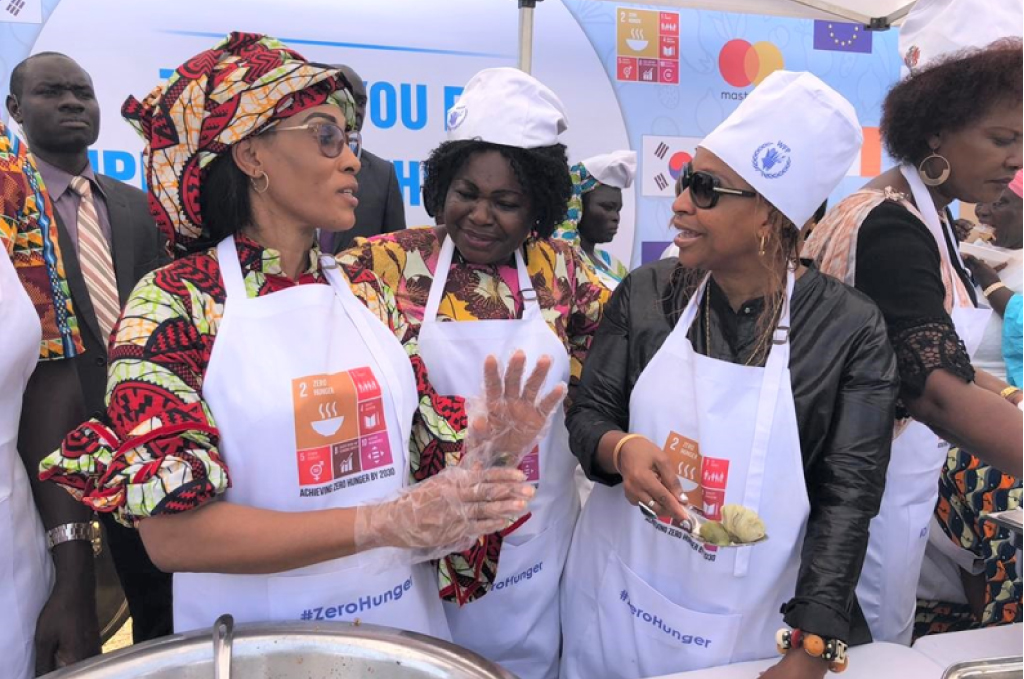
(981, 233)
(715, 533)
(744, 525)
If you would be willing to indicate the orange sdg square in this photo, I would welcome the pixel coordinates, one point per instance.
(684, 454)
(636, 32)
(325, 410)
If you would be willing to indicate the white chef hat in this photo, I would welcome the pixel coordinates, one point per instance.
(506, 106)
(614, 169)
(935, 28)
(793, 138)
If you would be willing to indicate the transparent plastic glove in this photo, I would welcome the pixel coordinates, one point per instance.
(508, 420)
(445, 513)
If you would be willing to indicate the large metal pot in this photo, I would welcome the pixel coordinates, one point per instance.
(291, 651)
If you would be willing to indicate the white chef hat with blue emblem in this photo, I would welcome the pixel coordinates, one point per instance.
(935, 28)
(509, 107)
(793, 139)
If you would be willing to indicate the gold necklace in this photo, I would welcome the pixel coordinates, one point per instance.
(761, 343)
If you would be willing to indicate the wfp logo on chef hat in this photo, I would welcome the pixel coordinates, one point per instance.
(936, 28)
(456, 116)
(510, 108)
(792, 139)
(772, 159)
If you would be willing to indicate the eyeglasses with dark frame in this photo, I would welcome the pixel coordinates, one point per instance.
(705, 188)
(331, 138)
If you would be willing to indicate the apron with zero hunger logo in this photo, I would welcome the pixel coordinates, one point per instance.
(516, 624)
(887, 589)
(313, 398)
(642, 597)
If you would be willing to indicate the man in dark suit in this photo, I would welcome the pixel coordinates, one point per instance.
(380, 208)
(108, 241)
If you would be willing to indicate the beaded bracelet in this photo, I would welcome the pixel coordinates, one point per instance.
(831, 650)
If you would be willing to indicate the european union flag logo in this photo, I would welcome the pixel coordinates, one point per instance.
(841, 37)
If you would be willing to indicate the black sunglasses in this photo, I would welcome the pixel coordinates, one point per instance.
(705, 189)
(331, 138)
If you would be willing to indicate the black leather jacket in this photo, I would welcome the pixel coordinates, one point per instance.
(844, 387)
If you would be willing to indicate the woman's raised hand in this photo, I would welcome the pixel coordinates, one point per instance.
(506, 423)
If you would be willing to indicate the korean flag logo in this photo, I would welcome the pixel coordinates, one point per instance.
(772, 159)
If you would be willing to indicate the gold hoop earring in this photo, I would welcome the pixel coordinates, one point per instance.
(761, 248)
(934, 181)
(266, 185)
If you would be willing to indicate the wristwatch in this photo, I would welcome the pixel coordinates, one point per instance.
(66, 532)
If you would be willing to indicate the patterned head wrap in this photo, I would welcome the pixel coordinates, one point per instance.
(582, 182)
(28, 232)
(239, 88)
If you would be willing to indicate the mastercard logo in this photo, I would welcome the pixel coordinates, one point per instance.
(743, 64)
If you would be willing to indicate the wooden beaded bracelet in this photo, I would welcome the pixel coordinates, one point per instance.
(831, 650)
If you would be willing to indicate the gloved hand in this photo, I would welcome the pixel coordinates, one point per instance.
(485, 494)
(446, 513)
(508, 420)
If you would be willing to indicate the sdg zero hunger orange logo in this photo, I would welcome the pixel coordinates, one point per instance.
(742, 64)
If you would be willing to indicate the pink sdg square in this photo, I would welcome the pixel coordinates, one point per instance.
(375, 451)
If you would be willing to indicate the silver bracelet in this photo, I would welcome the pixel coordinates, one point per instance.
(68, 532)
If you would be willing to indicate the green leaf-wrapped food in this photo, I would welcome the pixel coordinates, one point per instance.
(744, 525)
(715, 533)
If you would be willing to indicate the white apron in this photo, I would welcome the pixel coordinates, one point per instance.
(642, 599)
(516, 624)
(26, 572)
(313, 397)
(887, 589)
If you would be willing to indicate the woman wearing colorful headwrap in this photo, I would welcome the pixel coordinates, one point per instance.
(594, 209)
(247, 372)
(49, 607)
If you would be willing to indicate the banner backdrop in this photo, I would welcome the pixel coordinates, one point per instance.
(630, 76)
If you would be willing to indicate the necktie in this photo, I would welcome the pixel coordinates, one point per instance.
(96, 261)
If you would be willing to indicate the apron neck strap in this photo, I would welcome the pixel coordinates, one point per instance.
(231, 269)
(443, 268)
(926, 206)
(359, 315)
(776, 373)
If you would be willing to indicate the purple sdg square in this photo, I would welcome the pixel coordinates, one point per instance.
(648, 70)
(375, 451)
(836, 36)
(345, 458)
(650, 250)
